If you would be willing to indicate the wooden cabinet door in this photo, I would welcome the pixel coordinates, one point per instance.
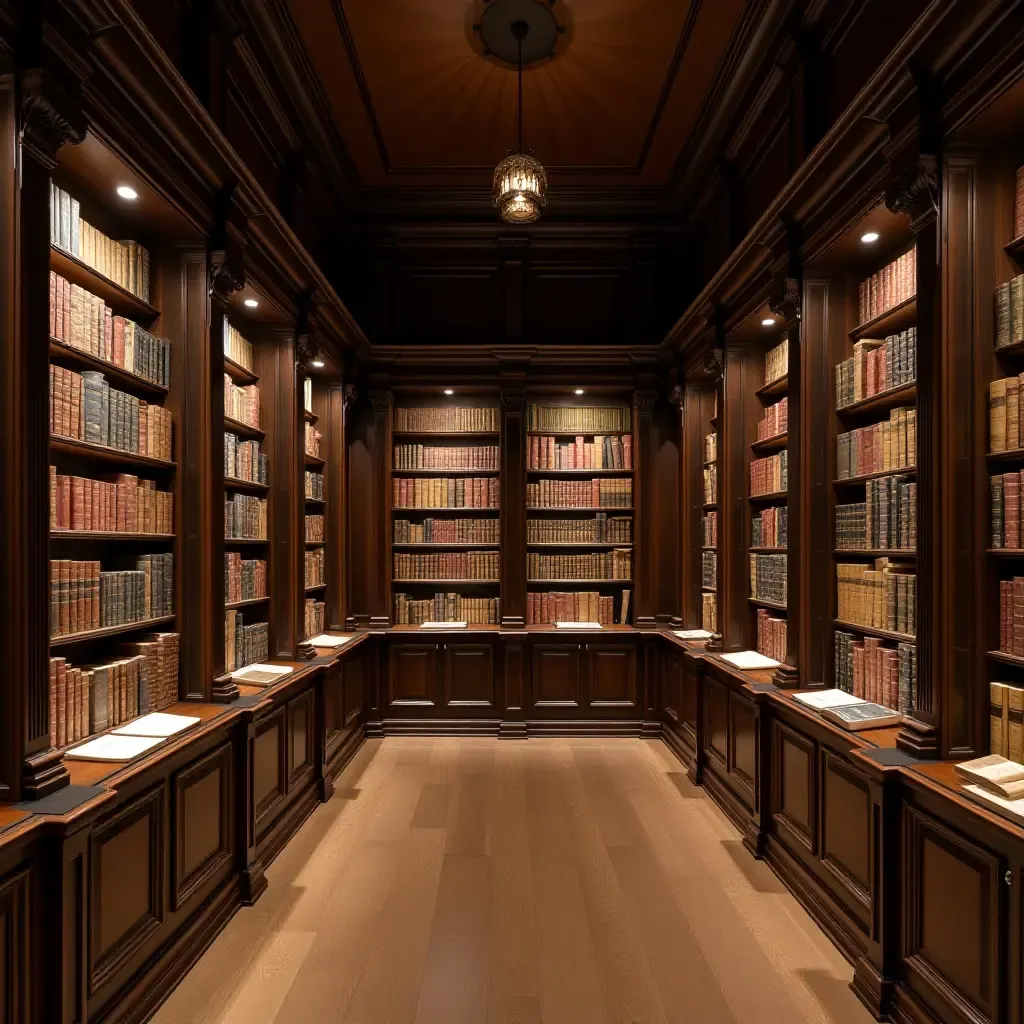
(611, 675)
(468, 677)
(412, 675)
(556, 675)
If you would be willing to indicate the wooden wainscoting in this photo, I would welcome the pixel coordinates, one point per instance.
(18, 965)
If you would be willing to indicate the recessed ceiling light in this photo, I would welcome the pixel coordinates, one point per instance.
(871, 236)
(318, 363)
(448, 391)
(768, 321)
(252, 303)
(579, 391)
(127, 192)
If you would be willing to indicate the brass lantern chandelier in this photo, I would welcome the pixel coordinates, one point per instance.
(519, 32)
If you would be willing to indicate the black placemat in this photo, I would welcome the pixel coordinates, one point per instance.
(63, 801)
(248, 701)
(892, 756)
(764, 687)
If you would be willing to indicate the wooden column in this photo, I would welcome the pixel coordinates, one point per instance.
(714, 367)
(380, 580)
(336, 507)
(915, 193)
(47, 117)
(644, 567)
(513, 509)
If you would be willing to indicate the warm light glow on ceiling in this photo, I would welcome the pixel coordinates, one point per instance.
(127, 192)
(579, 391)
(448, 391)
(318, 363)
(252, 303)
(768, 321)
(871, 236)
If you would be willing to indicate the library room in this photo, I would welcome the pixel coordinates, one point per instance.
(512, 511)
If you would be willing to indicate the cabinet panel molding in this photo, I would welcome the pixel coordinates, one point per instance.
(611, 675)
(556, 675)
(469, 675)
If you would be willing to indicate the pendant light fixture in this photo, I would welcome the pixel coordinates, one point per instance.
(520, 182)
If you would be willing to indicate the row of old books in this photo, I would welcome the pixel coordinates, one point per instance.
(314, 528)
(548, 607)
(880, 596)
(85, 700)
(776, 364)
(711, 447)
(887, 518)
(772, 635)
(580, 493)
(245, 579)
(452, 419)
(123, 505)
(711, 485)
(709, 570)
(244, 644)
(313, 485)
(775, 420)
(770, 474)
(601, 529)
(867, 668)
(709, 612)
(709, 526)
(877, 366)
(447, 565)
(245, 517)
(880, 447)
(314, 618)
(83, 406)
(894, 283)
(421, 456)
(307, 394)
(1011, 616)
(1006, 720)
(84, 597)
(447, 608)
(1005, 489)
(244, 460)
(616, 564)
(579, 419)
(447, 531)
(1004, 414)
(768, 577)
(769, 530)
(445, 492)
(85, 322)
(311, 441)
(125, 262)
(242, 402)
(604, 452)
(1009, 300)
(236, 348)
(314, 568)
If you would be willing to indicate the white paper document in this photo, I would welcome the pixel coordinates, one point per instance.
(827, 699)
(750, 660)
(326, 640)
(261, 675)
(693, 634)
(443, 625)
(157, 724)
(577, 625)
(114, 748)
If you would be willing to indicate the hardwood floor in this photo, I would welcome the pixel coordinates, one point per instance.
(473, 881)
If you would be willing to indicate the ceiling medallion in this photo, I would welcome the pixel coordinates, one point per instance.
(519, 32)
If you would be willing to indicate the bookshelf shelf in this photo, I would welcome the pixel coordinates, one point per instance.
(900, 316)
(445, 472)
(771, 444)
(710, 507)
(1006, 659)
(238, 373)
(315, 543)
(111, 536)
(248, 603)
(757, 602)
(405, 582)
(761, 550)
(855, 553)
(313, 460)
(885, 634)
(309, 417)
(441, 546)
(249, 486)
(1008, 455)
(235, 541)
(1015, 249)
(708, 590)
(851, 481)
(314, 501)
(586, 508)
(533, 582)
(882, 401)
(446, 435)
(120, 300)
(1005, 552)
(66, 354)
(243, 429)
(779, 386)
(98, 634)
(579, 472)
(315, 587)
(461, 510)
(577, 433)
(1016, 349)
(101, 453)
(755, 499)
(600, 545)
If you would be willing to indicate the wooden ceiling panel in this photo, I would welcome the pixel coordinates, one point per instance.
(417, 103)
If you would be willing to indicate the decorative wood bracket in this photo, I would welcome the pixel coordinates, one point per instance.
(227, 245)
(348, 396)
(513, 402)
(645, 399)
(785, 300)
(915, 191)
(51, 116)
(307, 344)
(714, 364)
(381, 402)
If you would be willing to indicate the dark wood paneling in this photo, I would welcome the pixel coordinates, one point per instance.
(556, 675)
(468, 675)
(671, 683)
(16, 964)
(126, 888)
(743, 740)
(412, 674)
(611, 675)
(300, 736)
(716, 725)
(354, 676)
(268, 762)
(846, 824)
(445, 305)
(203, 821)
(794, 803)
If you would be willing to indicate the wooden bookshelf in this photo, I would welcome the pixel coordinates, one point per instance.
(68, 355)
(66, 639)
(119, 299)
(103, 453)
